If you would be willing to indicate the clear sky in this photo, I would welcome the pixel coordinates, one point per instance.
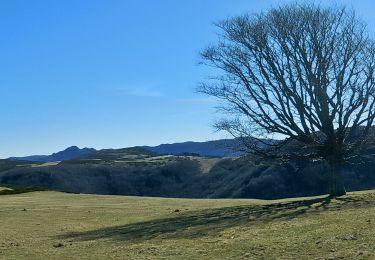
(110, 74)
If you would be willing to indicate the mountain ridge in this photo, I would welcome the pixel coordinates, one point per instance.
(220, 147)
(69, 153)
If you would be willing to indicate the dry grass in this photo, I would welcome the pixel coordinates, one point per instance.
(5, 189)
(46, 164)
(52, 225)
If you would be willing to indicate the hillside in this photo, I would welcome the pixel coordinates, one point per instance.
(223, 147)
(6, 164)
(216, 148)
(52, 225)
(139, 172)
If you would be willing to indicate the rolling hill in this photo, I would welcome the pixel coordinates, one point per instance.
(139, 172)
(223, 147)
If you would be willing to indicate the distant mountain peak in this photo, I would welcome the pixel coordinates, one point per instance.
(73, 147)
(69, 153)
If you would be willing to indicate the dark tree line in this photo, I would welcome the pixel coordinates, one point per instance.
(301, 72)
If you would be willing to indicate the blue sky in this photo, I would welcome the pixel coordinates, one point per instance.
(110, 74)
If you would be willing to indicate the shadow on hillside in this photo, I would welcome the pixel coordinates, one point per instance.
(209, 221)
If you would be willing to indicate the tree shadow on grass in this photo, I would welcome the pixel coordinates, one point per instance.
(209, 221)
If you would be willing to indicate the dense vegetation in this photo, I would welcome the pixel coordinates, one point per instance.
(129, 172)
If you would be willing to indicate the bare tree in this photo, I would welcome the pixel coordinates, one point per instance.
(301, 72)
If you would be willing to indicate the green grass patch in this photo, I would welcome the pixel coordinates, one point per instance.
(54, 225)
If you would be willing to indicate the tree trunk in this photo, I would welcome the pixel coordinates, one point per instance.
(336, 185)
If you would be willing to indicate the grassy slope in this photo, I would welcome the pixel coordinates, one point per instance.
(52, 225)
(6, 164)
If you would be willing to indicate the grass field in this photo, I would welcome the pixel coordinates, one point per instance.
(53, 225)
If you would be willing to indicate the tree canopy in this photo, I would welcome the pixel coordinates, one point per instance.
(302, 72)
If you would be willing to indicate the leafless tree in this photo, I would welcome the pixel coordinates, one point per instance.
(301, 72)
